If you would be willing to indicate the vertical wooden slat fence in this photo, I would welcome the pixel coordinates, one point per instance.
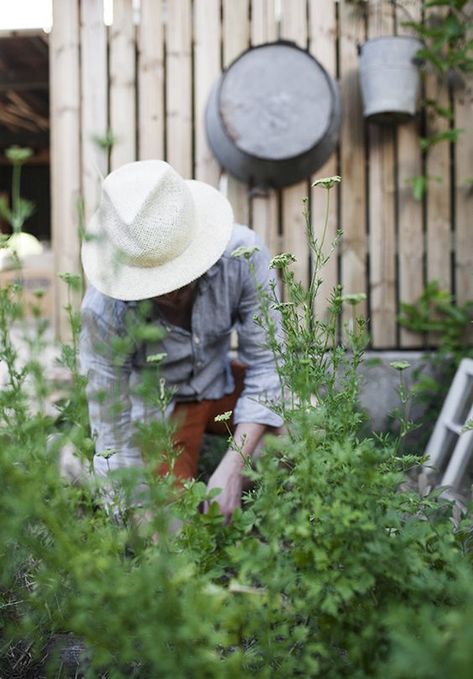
(207, 68)
(178, 30)
(94, 107)
(410, 236)
(235, 40)
(352, 216)
(122, 84)
(381, 210)
(264, 206)
(294, 27)
(147, 78)
(65, 146)
(438, 212)
(464, 191)
(150, 47)
(323, 46)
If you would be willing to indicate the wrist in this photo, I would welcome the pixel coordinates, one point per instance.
(234, 460)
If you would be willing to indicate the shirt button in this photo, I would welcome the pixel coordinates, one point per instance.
(196, 339)
(199, 364)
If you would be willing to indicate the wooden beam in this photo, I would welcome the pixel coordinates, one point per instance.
(94, 103)
(22, 138)
(22, 85)
(410, 225)
(207, 36)
(294, 27)
(122, 84)
(151, 80)
(236, 39)
(264, 206)
(65, 149)
(352, 157)
(179, 86)
(322, 44)
(382, 210)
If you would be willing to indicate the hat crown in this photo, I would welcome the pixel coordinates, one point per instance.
(148, 213)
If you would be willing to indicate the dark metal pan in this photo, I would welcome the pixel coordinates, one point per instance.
(273, 117)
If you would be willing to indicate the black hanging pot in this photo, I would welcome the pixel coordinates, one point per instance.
(273, 116)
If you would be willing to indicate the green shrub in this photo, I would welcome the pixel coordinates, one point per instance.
(324, 573)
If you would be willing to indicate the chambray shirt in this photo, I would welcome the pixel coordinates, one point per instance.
(196, 363)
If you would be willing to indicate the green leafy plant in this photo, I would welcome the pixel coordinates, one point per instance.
(448, 327)
(19, 244)
(446, 33)
(321, 574)
(21, 208)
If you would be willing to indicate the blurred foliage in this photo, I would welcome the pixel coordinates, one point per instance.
(447, 328)
(328, 571)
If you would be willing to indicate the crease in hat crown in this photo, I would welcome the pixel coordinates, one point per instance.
(147, 212)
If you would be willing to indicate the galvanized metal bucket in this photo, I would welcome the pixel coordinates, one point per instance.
(273, 117)
(389, 77)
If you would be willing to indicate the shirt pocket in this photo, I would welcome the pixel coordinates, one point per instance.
(217, 335)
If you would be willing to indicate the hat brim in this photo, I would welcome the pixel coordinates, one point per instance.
(114, 278)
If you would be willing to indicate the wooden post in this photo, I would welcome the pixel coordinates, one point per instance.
(294, 27)
(122, 84)
(382, 194)
(264, 206)
(65, 149)
(322, 43)
(207, 35)
(352, 158)
(439, 237)
(464, 193)
(410, 217)
(93, 53)
(179, 86)
(150, 81)
(236, 39)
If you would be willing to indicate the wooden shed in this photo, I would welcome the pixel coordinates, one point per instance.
(143, 82)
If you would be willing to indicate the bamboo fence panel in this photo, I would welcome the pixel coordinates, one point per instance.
(264, 22)
(159, 77)
(122, 84)
(236, 39)
(65, 148)
(207, 39)
(439, 245)
(264, 205)
(381, 192)
(94, 108)
(464, 194)
(323, 46)
(150, 46)
(294, 27)
(352, 156)
(179, 122)
(410, 218)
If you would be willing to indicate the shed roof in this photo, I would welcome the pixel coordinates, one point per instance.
(24, 91)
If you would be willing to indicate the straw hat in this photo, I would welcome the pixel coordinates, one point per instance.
(153, 231)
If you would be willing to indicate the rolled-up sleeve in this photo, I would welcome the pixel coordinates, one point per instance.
(108, 396)
(262, 385)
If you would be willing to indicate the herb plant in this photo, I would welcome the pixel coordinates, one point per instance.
(323, 573)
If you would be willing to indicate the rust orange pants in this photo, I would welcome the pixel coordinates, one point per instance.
(193, 419)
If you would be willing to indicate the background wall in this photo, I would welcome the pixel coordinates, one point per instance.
(147, 77)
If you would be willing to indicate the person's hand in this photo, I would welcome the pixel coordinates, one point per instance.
(228, 478)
